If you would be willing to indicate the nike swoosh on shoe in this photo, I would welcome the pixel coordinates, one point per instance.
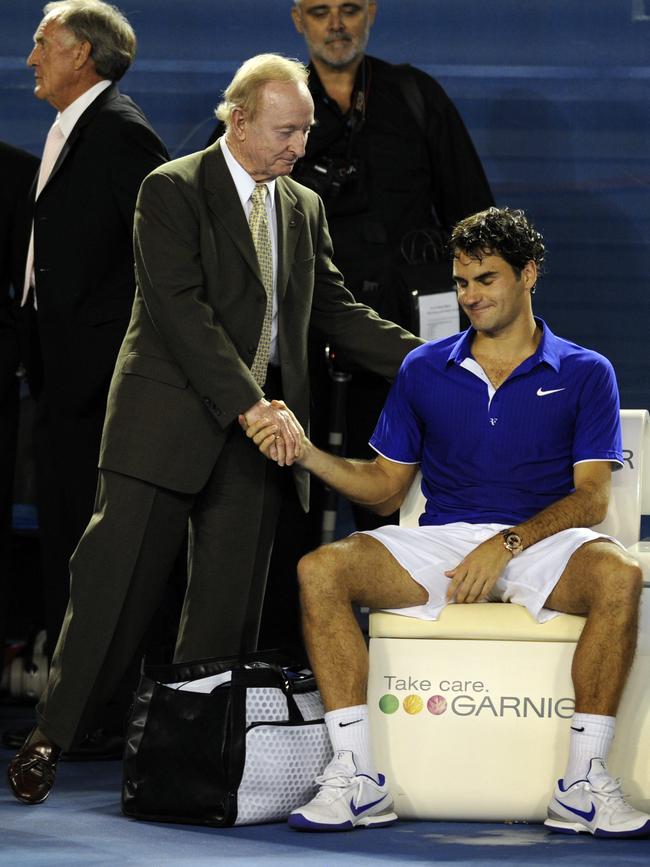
(584, 814)
(358, 810)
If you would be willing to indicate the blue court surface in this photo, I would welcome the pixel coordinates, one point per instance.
(81, 824)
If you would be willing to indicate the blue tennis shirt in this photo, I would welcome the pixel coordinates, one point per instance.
(499, 455)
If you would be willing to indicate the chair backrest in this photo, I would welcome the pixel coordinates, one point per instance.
(630, 497)
(631, 484)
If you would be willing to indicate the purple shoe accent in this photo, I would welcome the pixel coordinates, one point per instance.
(644, 831)
(300, 823)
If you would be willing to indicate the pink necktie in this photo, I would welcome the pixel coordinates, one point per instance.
(53, 146)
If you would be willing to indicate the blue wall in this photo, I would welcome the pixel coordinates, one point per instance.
(554, 92)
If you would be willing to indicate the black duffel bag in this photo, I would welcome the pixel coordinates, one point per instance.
(224, 741)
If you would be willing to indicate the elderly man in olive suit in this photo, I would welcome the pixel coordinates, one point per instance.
(233, 263)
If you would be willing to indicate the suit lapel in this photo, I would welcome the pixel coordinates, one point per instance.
(289, 224)
(225, 205)
(95, 106)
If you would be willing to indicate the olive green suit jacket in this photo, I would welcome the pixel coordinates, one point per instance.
(183, 372)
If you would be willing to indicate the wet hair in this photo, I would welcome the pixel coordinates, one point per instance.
(104, 26)
(501, 232)
(243, 91)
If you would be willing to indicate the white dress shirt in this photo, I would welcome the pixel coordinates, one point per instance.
(69, 116)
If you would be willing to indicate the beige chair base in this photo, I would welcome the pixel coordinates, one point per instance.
(470, 714)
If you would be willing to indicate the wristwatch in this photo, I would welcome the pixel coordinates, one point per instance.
(512, 542)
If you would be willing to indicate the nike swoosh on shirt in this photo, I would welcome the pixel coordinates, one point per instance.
(542, 393)
(584, 814)
(362, 807)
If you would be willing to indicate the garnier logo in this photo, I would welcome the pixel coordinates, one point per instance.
(467, 698)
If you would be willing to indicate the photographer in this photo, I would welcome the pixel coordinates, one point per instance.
(396, 168)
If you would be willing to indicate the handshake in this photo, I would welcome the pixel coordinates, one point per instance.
(276, 432)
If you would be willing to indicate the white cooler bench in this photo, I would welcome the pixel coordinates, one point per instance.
(470, 713)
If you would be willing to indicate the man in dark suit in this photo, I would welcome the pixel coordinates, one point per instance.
(17, 171)
(233, 263)
(80, 283)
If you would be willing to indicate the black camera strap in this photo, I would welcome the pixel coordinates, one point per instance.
(412, 95)
(353, 126)
(359, 102)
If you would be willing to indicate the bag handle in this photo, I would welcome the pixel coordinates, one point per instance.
(262, 673)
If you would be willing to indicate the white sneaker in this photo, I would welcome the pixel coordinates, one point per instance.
(346, 800)
(595, 805)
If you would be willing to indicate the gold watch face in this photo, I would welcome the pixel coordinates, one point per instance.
(512, 541)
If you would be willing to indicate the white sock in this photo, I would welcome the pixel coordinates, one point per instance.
(591, 737)
(349, 730)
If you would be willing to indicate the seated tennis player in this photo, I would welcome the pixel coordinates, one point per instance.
(516, 432)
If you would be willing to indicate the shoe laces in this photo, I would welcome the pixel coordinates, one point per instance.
(331, 782)
(608, 788)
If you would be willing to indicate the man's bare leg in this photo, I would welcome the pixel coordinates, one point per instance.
(604, 583)
(359, 570)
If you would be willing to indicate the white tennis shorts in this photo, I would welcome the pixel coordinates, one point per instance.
(428, 552)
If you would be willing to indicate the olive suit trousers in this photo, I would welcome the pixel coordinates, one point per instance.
(120, 568)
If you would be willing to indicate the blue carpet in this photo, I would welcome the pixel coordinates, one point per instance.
(81, 824)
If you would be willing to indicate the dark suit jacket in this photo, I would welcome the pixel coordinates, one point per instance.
(17, 171)
(83, 249)
(183, 373)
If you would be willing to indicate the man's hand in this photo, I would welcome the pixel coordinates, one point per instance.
(275, 430)
(475, 576)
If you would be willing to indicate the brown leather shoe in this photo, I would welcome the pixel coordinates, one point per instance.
(32, 770)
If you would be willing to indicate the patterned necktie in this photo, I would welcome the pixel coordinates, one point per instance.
(53, 147)
(259, 226)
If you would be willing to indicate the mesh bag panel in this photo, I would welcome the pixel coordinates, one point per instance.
(268, 704)
(265, 704)
(282, 762)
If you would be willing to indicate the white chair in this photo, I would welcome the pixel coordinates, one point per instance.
(470, 713)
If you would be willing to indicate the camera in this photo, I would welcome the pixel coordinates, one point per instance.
(337, 180)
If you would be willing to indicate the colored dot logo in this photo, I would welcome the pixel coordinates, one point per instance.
(437, 704)
(388, 703)
(413, 704)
